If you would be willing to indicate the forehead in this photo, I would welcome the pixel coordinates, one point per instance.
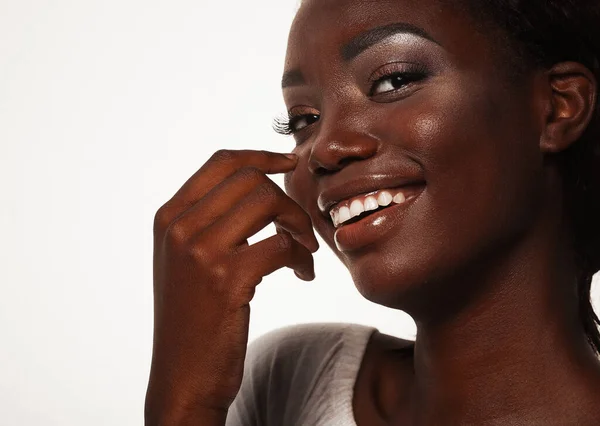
(321, 27)
(357, 12)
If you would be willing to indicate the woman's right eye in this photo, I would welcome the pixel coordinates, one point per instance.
(301, 121)
(294, 123)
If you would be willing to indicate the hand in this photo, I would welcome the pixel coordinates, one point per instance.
(205, 275)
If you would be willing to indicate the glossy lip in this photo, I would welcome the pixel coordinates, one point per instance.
(362, 185)
(371, 228)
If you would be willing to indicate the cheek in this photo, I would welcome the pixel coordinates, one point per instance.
(298, 185)
(292, 182)
(478, 144)
(287, 183)
(482, 170)
(426, 127)
(480, 173)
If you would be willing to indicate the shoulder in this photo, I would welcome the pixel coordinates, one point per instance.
(285, 366)
(305, 340)
(277, 355)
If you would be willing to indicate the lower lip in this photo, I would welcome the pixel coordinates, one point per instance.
(373, 227)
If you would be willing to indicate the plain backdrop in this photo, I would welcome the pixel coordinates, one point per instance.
(106, 108)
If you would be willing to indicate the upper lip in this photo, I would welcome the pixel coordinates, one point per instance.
(361, 185)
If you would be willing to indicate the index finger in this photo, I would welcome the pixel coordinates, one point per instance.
(224, 163)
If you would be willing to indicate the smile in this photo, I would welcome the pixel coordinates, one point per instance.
(355, 208)
(371, 225)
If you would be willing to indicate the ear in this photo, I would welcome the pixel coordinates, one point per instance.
(571, 105)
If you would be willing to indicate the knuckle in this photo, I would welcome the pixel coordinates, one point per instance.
(284, 241)
(265, 192)
(176, 234)
(251, 174)
(221, 276)
(303, 217)
(201, 253)
(223, 155)
(220, 272)
(161, 219)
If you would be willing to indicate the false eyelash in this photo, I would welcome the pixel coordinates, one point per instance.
(281, 125)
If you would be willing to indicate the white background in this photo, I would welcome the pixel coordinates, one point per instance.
(106, 109)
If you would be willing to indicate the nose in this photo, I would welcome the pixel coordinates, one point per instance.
(336, 145)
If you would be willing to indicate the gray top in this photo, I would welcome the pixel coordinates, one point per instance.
(301, 375)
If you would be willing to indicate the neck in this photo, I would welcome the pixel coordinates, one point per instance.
(517, 354)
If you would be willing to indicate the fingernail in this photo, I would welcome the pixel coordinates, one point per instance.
(292, 157)
(305, 275)
(301, 276)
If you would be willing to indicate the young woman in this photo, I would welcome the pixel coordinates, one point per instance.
(463, 138)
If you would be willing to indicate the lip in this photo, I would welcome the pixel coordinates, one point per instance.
(362, 185)
(373, 227)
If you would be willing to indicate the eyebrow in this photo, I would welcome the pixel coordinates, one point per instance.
(292, 78)
(360, 43)
(363, 41)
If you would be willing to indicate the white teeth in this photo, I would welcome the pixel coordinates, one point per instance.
(356, 208)
(334, 217)
(385, 198)
(371, 203)
(399, 198)
(344, 214)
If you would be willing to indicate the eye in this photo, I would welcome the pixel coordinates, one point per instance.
(395, 81)
(294, 123)
(301, 121)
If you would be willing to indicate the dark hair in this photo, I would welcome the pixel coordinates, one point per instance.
(542, 33)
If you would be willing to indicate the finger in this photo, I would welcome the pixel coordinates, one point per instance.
(227, 194)
(223, 197)
(275, 252)
(219, 166)
(265, 204)
(302, 276)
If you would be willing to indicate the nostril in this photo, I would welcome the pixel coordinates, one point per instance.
(322, 171)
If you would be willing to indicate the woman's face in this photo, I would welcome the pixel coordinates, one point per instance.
(384, 108)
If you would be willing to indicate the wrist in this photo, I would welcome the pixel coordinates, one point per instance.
(176, 417)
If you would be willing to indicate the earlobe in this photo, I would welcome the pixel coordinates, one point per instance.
(573, 98)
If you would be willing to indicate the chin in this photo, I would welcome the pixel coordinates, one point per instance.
(421, 279)
(390, 280)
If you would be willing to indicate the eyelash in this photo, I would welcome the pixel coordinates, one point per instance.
(285, 125)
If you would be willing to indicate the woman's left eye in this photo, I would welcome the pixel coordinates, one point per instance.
(393, 82)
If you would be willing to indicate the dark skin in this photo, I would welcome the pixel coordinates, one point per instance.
(482, 260)
(498, 341)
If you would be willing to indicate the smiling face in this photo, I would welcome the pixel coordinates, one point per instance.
(411, 90)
